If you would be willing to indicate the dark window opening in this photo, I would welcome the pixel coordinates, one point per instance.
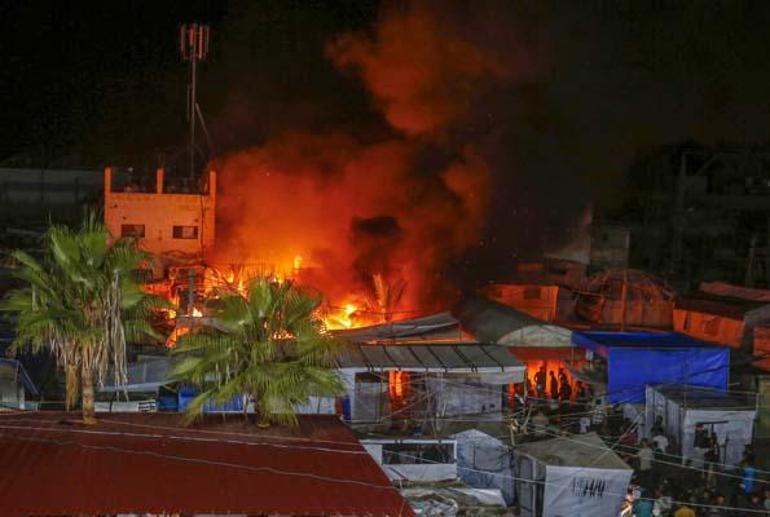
(185, 232)
(132, 230)
(417, 453)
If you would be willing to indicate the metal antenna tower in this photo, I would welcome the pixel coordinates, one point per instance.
(194, 46)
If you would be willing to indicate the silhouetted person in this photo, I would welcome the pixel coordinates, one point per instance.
(554, 387)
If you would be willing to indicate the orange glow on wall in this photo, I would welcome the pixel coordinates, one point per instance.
(398, 384)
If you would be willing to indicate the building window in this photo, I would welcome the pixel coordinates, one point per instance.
(185, 232)
(132, 230)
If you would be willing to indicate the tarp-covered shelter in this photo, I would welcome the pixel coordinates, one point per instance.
(646, 300)
(457, 379)
(635, 359)
(433, 327)
(726, 320)
(728, 415)
(483, 461)
(492, 322)
(576, 475)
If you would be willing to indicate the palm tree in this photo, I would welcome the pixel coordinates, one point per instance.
(267, 346)
(82, 302)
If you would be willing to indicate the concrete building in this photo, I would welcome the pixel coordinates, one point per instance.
(176, 225)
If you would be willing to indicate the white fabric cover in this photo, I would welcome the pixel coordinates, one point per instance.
(733, 429)
(483, 461)
(583, 491)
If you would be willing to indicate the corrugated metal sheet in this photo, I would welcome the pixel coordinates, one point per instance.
(422, 357)
(136, 463)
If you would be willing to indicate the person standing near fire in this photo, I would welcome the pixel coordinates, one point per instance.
(540, 380)
(554, 386)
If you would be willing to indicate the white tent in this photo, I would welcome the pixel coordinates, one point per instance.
(575, 476)
(483, 461)
(728, 415)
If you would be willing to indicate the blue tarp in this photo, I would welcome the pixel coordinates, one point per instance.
(186, 395)
(635, 359)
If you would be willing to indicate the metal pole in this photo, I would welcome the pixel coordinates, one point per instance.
(624, 298)
(191, 292)
(193, 102)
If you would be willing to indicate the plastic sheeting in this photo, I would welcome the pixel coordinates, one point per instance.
(583, 491)
(492, 322)
(570, 476)
(483, 461)
(729, 416)
(636, 359)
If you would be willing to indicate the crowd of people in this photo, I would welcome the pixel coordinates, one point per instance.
(701, 487)
(663, 485)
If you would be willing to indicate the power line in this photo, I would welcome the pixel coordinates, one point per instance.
(176, 457)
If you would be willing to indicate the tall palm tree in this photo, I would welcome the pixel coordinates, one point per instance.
(82, 302)
(267, 346)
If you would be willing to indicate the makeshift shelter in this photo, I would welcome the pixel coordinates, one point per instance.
(646, 300)
(546, 302)
(410, 378)
(728, 415)
(493, 322)
(483, 461)
(380, 380)
(724, 319)
(635, 359)
(433, 327)
(577, 475)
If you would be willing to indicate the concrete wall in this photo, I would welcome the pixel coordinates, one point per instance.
(539, 301)
(709, 327)
(159, 212)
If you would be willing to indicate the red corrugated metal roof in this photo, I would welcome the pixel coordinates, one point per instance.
(148, 462)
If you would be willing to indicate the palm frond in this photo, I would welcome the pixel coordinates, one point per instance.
(267, 346)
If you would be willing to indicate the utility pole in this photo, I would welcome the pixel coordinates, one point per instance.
(194, 46)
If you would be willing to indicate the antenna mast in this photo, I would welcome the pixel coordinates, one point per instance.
(194, 46)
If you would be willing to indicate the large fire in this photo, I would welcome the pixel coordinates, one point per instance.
(370, 222)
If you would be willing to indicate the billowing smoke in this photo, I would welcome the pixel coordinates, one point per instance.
(376, 220)
(422, 74)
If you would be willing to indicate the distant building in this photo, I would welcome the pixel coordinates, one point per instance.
(625, 297)
(33, 195)
(174, 222)
(699, 213)
(15, 385)
(723, 314)
(546, 302)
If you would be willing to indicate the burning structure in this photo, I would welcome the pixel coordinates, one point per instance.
(371, 220)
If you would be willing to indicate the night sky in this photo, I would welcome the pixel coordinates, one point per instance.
(585, 88)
